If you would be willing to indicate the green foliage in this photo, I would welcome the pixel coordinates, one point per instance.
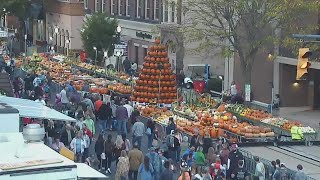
(99, 31)
(245, 26)
(18, 8)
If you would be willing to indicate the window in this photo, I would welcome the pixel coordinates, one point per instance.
(139, 8)
(147, 9)
(145, 51)
(103, 5)
(85, 4)
(173, 10)
(96, 5)
(127, 8)
(113, 6)
(136, 49)
(165, 15)
(120, 7)
(156, 11)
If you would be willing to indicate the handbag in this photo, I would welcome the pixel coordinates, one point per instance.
(103, 156)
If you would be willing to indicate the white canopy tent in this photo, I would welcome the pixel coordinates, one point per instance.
(32, 109)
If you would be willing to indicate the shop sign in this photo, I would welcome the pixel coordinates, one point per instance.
(3, 34)
(143, 35)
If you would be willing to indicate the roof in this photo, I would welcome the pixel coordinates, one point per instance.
(15, 152)
(32, 109)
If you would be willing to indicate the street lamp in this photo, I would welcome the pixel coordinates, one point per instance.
(95, 59)
(222, 82)
(119, 61)
(119, 29)
(67, 43)
(50, 43)
(25, 44)
(56, 32)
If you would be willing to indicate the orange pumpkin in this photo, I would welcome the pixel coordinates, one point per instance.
(157, 41)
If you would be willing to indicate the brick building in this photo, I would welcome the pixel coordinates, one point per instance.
(144, 20)
(64, 19)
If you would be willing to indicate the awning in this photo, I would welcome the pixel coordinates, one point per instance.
(85, 171)
(32, 109)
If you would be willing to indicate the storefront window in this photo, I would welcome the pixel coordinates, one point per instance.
(40, 30)
(145, 50)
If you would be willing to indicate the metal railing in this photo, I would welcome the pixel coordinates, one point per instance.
(250, 165)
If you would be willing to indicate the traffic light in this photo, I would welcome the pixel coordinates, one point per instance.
(303, 62)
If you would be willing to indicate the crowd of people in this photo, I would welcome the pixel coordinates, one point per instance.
(107, 125)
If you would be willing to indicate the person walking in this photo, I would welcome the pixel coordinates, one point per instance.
(109, 146)
(64, 98)
(171, 126)
(199, 158)
(150, 131)
(28, 84)
(135, 159)
(126, 142)
(67, 135)
(156, 162)
(77, 145)
(146, 170)
(138, 130)
(300, 175)
(260, 171)
(90, 124)
(57, 145)
(119, 146)
(17, 86)
(99, 148)
(122, 166)
(240, 173)
(104, 117)
(234, 157)
(86, 138)
(178, 135)
(122, 119)
(211, 156)
(167, 173)
(51, 132)
(88, 102)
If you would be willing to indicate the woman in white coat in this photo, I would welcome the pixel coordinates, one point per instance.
(78, 145)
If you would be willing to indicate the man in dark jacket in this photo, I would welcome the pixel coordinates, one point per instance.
(234, 157)
(67, 135)
(122, 119)
(28, 83)
(167, 173)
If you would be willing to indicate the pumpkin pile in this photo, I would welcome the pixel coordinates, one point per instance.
(153, 111)
(156, 81)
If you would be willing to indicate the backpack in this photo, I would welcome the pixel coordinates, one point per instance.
(170, 141)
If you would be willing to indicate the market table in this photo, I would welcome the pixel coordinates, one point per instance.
(308, 137)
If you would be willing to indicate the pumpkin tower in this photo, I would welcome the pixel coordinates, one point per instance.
(156, 83)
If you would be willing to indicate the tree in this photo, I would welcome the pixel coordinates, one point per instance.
(99, 31)
(247, 25)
